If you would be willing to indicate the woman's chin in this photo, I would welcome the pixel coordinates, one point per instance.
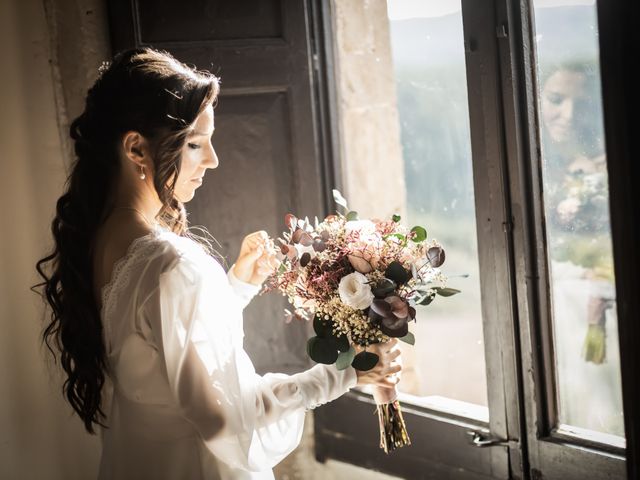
(187, 196)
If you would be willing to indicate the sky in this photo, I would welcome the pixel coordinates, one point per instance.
(402, 9)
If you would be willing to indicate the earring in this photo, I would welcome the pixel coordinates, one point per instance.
(142, 175)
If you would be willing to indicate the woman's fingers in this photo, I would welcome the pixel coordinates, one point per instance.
(388, 382)
(258, 238)
(386, 373)
(392, 344)
(267, 263)
(254, 241)
(393, 354)
(393, 369)
(384, 348)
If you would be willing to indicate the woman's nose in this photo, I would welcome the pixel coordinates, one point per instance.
(566, 109)
(212, 160)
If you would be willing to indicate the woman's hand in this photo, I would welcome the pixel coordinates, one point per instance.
(257, 258)
(386, 373)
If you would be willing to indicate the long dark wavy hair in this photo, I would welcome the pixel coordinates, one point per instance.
(141, 89)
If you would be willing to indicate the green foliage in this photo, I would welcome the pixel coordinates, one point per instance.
(339, 199)
(594, 348)
(420, 234)
(321, 327)
(408, 338)
(446, 291)
(322, 350)
(345, 358)
(365, 361)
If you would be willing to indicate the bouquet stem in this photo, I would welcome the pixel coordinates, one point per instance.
(393, 431)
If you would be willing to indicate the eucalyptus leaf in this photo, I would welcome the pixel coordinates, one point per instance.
(290, 220)
(395, 329)
(426, 299)
(339, 199)
(420, 234)
(436, 256)
(322, 350)
(396, 272)
(351, 216)
(321, 327)
(345, 358)
(408, 338)
(342, 343)
(446, 291)
(395, 218)
(381, 307)
(383, 287)
(365, 361)
(319, 245)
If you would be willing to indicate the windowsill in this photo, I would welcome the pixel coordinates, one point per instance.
(447, 406)
(577, 434)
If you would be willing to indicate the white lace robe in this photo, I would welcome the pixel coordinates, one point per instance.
(173, 331)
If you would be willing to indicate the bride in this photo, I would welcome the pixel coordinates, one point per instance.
(145, 322)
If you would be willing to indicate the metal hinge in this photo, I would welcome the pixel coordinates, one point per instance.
(480, 440)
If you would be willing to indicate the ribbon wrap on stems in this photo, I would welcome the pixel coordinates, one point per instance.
(393, 431)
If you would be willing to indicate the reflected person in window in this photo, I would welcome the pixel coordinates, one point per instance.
(578, 232)
(145, 321)
(573, 148)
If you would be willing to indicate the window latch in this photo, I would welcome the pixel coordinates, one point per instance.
(480, 440)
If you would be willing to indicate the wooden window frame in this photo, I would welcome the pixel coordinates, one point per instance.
(442, 442)
(511, 244)
(550, 453)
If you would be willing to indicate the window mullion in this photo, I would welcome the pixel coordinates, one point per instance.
(495, 223)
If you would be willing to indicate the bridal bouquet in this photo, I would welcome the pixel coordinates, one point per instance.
(358, 281)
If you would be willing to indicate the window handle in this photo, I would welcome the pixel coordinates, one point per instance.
(480, 440)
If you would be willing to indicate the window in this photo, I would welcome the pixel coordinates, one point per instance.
(502, 157)
(576, 210)
(436, 150)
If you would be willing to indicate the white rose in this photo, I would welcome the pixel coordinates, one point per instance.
(366, 228)
(355, 291)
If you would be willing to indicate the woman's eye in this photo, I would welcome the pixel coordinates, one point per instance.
(194, 146)
(556, 99)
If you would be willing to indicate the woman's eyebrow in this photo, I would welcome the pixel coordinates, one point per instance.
(199, 134)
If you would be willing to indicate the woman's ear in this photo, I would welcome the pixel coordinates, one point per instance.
(134, 147)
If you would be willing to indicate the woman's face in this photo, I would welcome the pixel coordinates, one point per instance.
(561, 92)
(197, 155)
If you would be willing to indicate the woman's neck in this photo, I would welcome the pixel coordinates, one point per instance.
(140, 197)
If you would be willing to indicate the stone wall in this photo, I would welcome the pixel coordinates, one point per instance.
(373, 171)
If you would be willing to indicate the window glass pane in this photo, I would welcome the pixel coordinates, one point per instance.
(429, 62)
(576, 203)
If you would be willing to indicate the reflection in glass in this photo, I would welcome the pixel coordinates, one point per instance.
(428, 56)
(576, 206)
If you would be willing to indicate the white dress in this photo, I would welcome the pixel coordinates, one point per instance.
(173, 334)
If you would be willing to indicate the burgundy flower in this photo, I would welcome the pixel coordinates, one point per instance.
(392, 315)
